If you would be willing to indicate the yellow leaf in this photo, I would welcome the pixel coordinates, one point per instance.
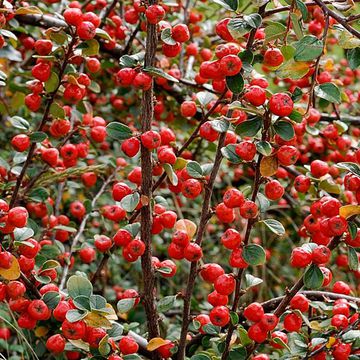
(186, 225)
(155, 343)
(97, 320)
(293, 69)
(330, 342)
(349, 210)
(41, 331)
(180, 163)
(315, 325)
(28, 10)
(13, 273)
(112, 314)
(269, 165)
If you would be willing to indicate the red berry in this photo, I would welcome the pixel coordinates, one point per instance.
(225, 284)
(281, 104)
(254, 312)
(292, 322)
(220, 316)
(56, 344)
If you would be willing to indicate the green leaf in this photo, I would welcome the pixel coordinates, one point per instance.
(128, 61)
(76, 315)
(51, 299)
(349, 166)
(52, 83)
(116, 331)
(296, 26)
(82, 302)
(21, 234)
(79, 285)
(264, 148)
(57, 111)
(234, 317)
(19, 123)
(104, 347)
(308, 48)
(94, 87)
(228, 4)
(351, 335)
(330, 187)
(353, 259)
(39, 194)
(303, 9)
(90, 47)
(275, 226)
(211, 329)
(166, 303)
(194, 169)
(220, 125)
(118, 131)
(130, 202)
(329, 92)
(204, 97)
(352, 227)
(166, 37)
(161, 73)
(133, 229)
(273, 31)
(353, 57)
(296, 116)
(284, 129)
(49, 264)
(200, 357)
(103, 34)
(65, 228)
(235, 83)
(313, 277)
(229, 153)
(171, 174)
(249, 127)
(251, 281)
(97, 302)
(254, 254)
(288, 51)
(38, 136)
(237, 353)
(239, 27)
(125, 305)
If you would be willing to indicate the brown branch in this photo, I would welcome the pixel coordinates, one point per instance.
(147, 113)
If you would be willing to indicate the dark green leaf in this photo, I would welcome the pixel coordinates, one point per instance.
(352, 167)
(352, 227)
(254, 254)
(200, 357)
(296, 116)
(284, 129)
(166, 303)
(75, 315)
(82, 302)
(237, 353)
(303, 9)
(211, 329)
(118, 131)
(234, 317)
(274, 30)
(329, 92)
(308, 48)
(51, 299)
(39, 194)
(313, 277)
(353, 57)
(38, 136)
(353, 259)
(235, 83)
(116, 331)
(194, 169)
(249, 127)
(228, 4)
(229, 153)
